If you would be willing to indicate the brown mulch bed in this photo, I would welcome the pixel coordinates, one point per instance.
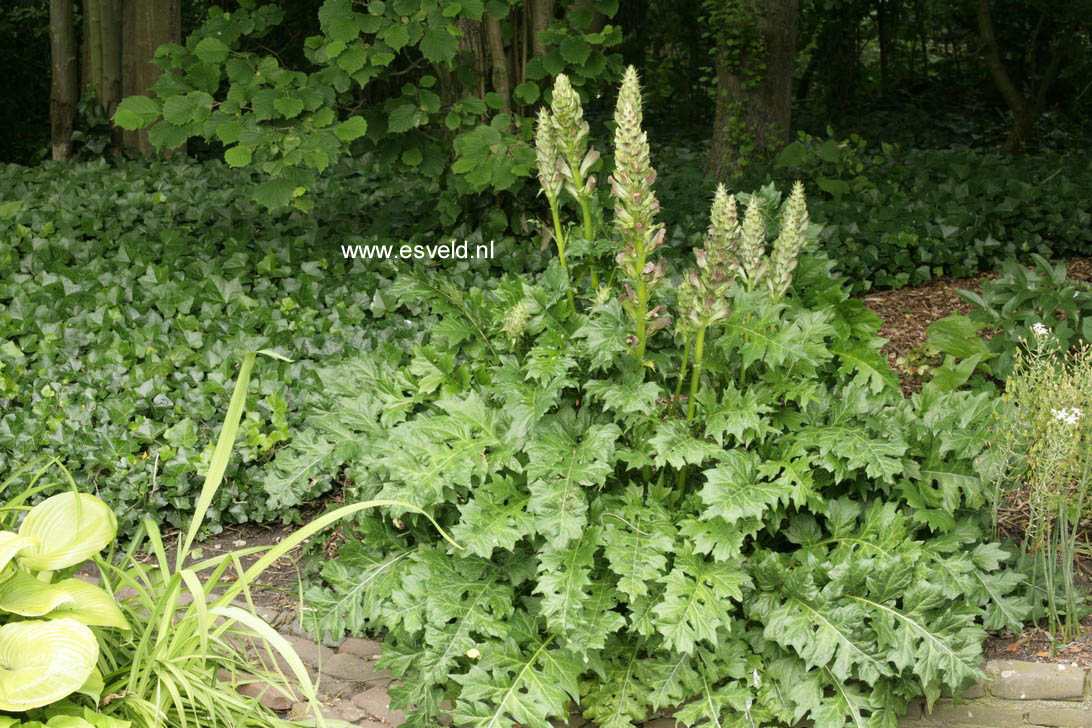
(907, 313)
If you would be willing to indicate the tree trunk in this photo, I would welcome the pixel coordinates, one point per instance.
(501, 80)
(754, 97)
(64, 92)
(146, 25)
(542, 12)
(1025, 112)
(93, 10)
(469, 73)
(110, 84)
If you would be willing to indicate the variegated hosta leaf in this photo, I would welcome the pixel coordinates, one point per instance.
(44, 661)
(90, 605)
(66, 529)
(10, 545)
(24, 595)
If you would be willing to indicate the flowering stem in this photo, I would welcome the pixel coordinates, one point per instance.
(559, 236)
(699, 351)
(642, 313)
(682, 373)
(589, 235)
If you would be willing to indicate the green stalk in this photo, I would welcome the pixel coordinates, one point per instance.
(699, 351)
(1072, 624)
(585, 210)
(589, 232)
(682, 373)
(641, 312)
(561, 253)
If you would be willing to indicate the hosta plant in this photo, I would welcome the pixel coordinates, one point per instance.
(47, 648)
(738, 520)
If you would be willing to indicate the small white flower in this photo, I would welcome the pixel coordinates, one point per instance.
(1039, 330)
(1068, 415)
(473, 653)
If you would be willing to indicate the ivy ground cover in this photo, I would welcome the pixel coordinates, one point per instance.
(129, 293)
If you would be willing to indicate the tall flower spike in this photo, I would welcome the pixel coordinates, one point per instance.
(786, 250)
(703, 293)
(722, 240)
(547, 155)
(635, 205)
(568, 119)
(752, 245)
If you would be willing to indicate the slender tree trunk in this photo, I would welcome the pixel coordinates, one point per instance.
(1025, 111)
(93, 10)
(542, 12)
(754, 108)
(501, 80)
(110, 31)
(146, 25)
(64, 92)
(471, 58)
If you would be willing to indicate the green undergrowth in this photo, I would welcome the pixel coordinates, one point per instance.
(125, 293)
(895, 216)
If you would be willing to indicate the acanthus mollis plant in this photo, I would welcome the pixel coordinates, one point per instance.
(802, 545)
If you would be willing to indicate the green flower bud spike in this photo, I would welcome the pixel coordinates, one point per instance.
(635, 211)
(724, 234)
(548, 156)
(551, 178)
(571, 132)
(752, 246)
(703, 293)
(786, 249)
